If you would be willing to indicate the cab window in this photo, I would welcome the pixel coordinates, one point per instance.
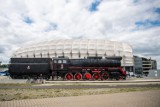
(55, 61)
(64, 61)
(59, 61)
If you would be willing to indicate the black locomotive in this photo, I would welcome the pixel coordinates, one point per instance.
(67, 69)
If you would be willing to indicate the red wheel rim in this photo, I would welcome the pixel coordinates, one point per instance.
(105, 76)
(78, 76)
(96, 76)
(69, 76)
(87, 76)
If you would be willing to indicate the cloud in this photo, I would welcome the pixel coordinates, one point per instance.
(133, 21)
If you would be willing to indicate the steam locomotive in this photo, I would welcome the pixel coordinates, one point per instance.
(67, 69)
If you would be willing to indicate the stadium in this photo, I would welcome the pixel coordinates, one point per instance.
(79, 49)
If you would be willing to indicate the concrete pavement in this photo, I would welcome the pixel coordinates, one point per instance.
(129, 99)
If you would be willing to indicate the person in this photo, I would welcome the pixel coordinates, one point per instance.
(52, 75)
(41, 78)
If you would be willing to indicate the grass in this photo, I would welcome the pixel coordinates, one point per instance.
(18, 94)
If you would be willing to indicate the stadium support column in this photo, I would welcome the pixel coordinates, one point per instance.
(124, 63)
(134, 69)
(131, 69)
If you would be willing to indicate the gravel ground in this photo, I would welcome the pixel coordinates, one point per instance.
(7, 79)
(77, 86)
(8, 83)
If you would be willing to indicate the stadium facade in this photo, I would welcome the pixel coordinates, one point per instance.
(75, 49)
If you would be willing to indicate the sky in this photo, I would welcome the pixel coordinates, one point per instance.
(136, 22)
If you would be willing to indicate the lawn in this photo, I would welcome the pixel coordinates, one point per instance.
(18, 94)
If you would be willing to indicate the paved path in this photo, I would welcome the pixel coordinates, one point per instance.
(130, 99)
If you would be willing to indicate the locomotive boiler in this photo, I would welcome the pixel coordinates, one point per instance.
(67, 69)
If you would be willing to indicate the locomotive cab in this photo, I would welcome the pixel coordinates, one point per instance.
(59, 67)
(60, 64)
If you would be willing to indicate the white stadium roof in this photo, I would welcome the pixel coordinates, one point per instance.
(77, 49)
